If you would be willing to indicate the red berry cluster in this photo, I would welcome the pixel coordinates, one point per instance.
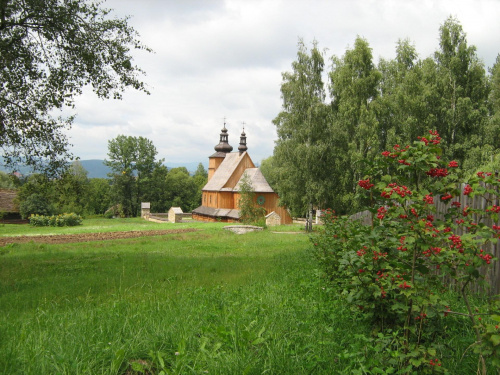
(421, 316)
(482, 174)
(402, 191)
(446, 197)
(457, 243)
(434, 139)
(402, 242)
(381, 212)
(432, 250)
(468, 190)
(434, 362)
(456, 204)
(388, 154)
(361, 251)
(437, 172)
(429, 199)
(365, 184)
(397, 151)
(486, 257)
(453, 164)
(495, 208)
(376, 255)
(404, 285)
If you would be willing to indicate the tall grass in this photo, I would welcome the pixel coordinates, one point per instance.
(202, 302)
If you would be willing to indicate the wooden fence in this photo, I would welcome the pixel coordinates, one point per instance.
(492, 275)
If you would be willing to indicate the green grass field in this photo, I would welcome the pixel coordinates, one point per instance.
(202, 302)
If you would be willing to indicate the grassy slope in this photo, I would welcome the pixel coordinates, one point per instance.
(209, 301)
(223, 302)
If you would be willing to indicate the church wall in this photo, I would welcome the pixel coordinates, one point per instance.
(225, 200)
(217, 199)
(209, 199)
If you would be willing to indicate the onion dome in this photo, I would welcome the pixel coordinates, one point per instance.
(243, 142)
(223, 145)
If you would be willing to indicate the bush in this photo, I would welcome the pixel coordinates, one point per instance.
(395, 270)
(35, 204)
(64, 220)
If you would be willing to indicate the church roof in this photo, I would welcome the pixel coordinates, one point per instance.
(217, 212)
(259, 182)
(224, 172)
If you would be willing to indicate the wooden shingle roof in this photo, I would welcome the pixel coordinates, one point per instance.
(258, 181)
(7, 197)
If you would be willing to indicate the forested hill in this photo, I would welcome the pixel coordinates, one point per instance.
(97, 169)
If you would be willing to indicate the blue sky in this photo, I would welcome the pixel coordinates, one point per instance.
(216, 59)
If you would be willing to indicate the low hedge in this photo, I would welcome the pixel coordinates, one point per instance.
(62, 220)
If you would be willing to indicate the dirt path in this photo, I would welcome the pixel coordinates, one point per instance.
(86, 237)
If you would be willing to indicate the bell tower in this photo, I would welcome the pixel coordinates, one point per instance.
(220, 152)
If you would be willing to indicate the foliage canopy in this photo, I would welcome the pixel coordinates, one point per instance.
(321, 144)
(49, 51)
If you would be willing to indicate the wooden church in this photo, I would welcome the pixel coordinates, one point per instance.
(220, 196)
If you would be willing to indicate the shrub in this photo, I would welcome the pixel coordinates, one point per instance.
(64, 220)
(35, 204)
(250, 213)
(395, 270)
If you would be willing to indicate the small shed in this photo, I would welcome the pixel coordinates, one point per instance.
(273, 219)
(145, 210)
(175, 215)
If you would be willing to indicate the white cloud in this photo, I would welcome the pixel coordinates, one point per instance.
(225, 58)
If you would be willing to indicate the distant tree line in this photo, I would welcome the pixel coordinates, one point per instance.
(321, 143)
(137, 176)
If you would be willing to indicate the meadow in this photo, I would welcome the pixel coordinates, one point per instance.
(203, 302)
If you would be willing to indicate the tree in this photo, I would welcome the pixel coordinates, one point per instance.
(157, 193)
(250, 213)
(98, 197)
(6, 181)
(36, 195)
(269, 170)
(402, 107)
(200, 179)
(182, 190)
(49, 51)
(71, 189)
(493, 127)
(462, 92)
(354, 83)
(132, 161)
(302, 154)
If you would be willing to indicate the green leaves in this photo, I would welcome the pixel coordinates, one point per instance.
(49, 50)
(395, 267)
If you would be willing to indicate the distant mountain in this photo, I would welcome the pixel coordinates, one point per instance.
(97, 169)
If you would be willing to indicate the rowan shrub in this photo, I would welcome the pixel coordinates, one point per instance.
(397, 269)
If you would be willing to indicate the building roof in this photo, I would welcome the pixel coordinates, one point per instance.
(7, 197)
(224, 172)
(217, 212)
(258, 181)
(219, 180)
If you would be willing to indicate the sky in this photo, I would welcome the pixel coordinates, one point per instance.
(216, 59)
